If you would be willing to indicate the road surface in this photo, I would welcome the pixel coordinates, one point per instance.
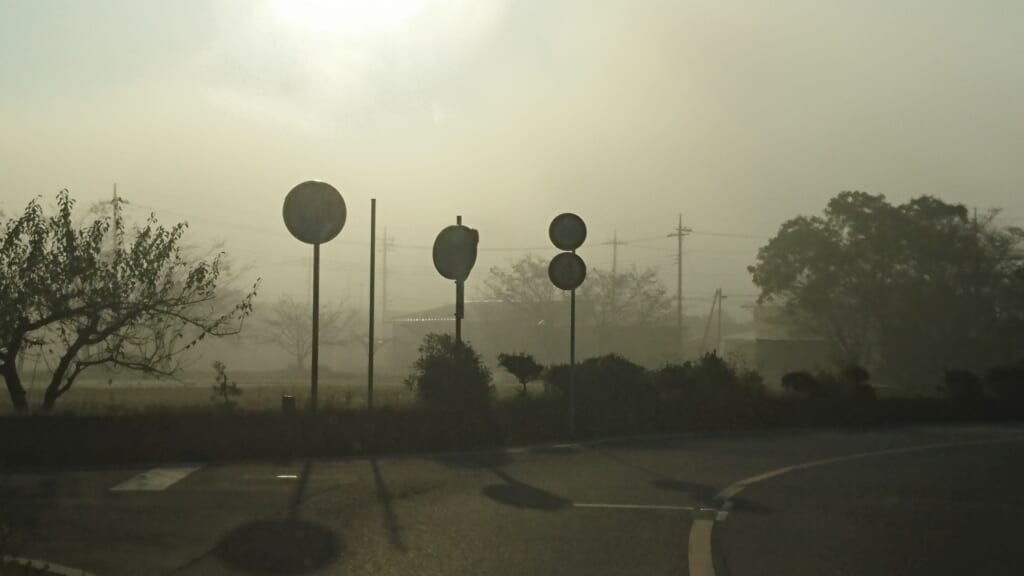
(910, 501)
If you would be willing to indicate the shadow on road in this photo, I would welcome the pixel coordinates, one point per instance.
(699, 491)
(474, 460)
(522, 495)
(289, 546)
(282, 546)
(385, 500)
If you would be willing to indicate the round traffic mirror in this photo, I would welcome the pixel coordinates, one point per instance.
(567, 271)
(455, 252)
(567, 231)
(314, 212)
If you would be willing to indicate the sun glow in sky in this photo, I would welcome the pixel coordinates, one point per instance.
(366, 18)
(738, 115)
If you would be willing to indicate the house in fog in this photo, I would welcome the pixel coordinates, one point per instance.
(777, 344)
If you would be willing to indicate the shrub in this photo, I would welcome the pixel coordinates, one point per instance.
(436, 382)
(802, 383)
(963, 386)
(706, 392)
(612, 394)
(854, 380)
(523, 367)
(1007, 382)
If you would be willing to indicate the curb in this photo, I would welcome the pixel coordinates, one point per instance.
(43, 565)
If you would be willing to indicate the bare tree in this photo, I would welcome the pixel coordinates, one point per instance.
(288, 324)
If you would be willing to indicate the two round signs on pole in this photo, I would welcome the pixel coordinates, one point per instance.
(455, 252)
(314, 212)
(567, 270)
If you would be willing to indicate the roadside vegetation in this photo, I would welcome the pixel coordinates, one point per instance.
(99, 300)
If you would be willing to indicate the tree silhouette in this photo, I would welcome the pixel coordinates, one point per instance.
(137, 305)
(523, 367)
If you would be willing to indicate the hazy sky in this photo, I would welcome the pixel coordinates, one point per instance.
(736, 114)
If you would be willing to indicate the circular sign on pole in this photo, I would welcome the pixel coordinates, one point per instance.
(314, 212)
(567, 271)
(567, 231)
(455, 252)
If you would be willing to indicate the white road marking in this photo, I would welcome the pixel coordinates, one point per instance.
(724, 512)
(699, 551)
(155, 480)
(287, 476)
(640, 507)
(42, 565)
(701, 563)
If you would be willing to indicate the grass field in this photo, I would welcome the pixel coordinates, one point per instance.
(260, 391)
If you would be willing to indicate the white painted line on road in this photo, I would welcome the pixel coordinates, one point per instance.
(640, 507)
(287, 476)
(724, 512)
(155, 480)
(699, 552)
(700, 532)
(42, 566)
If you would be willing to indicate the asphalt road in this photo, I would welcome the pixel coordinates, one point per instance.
(909, 501)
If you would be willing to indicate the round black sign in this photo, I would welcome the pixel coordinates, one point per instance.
(455, 252)
(567, 271)
(314, 212)
(567, 231)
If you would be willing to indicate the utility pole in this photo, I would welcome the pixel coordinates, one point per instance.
(720, 298)
(680, 233)
(385, 247)
(615, 275)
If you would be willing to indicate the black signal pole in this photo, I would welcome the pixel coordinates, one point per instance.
(373, 276)
(316, 328)
(460, 309)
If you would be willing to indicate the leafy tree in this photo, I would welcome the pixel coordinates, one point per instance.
(911, 288)
(62, 290)
(523, 367)
(436, 381)
(288, 324)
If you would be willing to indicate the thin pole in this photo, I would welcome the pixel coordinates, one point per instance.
(459, 311)
(316, 328)
(572, 363)
(373, 275)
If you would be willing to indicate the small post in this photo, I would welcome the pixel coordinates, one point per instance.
(373, 276)
(316, 328)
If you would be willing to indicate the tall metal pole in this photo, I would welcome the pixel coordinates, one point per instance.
(373, 275)
(572, 363)
(316, 328)
(459, 311)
